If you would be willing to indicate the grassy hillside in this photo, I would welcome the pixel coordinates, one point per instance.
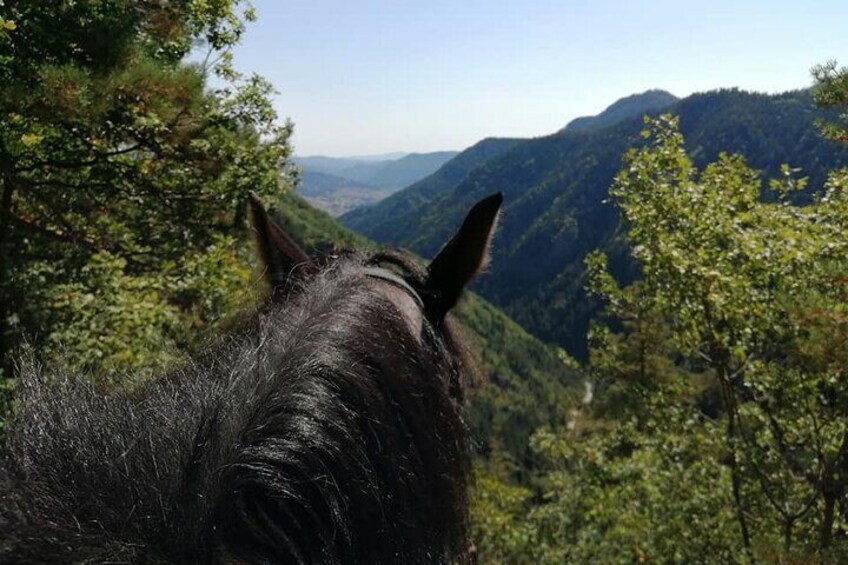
(556, 189)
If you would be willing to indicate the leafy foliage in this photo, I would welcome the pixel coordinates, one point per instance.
(123, 175)
(110, 319)
(831, 91)
(714, 429)
(735, 285)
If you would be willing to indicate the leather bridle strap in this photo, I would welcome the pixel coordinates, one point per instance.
(390, 277)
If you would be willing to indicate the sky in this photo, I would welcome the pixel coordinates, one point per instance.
(378, 76)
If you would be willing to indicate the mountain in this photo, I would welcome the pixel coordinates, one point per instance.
(522, 383)
(556, 208)
(392, 156)
(633, 106)
(379, 221)
(329, 165)
(378, 173)
(336, 195)
(398, 173)
(337, 185)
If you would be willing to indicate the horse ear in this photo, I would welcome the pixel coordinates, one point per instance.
(463, 257)
(284, 260)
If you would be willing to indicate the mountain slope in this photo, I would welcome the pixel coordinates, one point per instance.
(555, 192)
(380, 220)
(400, 172)
(329, 165)
(523, 383)
(633, 106)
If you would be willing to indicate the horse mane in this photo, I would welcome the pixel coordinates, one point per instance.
(322, 430)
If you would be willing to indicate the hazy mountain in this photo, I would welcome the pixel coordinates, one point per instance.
(324, 164)
(398, 173)
(633, 106)
(380, 156)
(336, 195)
(323, 184)
(337, 185)
(327, 165)
(378, 173)
(556, 189)
(380, 220)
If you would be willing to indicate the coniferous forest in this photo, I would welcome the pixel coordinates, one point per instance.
(661, 342)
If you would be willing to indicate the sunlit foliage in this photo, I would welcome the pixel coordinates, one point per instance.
(124, 167)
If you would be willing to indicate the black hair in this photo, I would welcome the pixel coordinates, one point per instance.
(325, 429)
(321, 431)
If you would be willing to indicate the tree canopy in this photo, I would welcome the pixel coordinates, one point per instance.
(128, 144)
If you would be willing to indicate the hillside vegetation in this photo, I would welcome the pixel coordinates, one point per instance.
(556, 192)
(381, 221)
(633, 106)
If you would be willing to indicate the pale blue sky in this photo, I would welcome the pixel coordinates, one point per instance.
(375, 76)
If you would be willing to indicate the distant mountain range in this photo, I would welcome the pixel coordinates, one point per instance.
(556, 191)
(380, 220)
(340, 184)
(336, 195)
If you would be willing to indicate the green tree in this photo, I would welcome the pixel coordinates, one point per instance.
(123, 173)
(831, 91)
(745, 287)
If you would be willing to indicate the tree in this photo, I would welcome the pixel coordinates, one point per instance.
(745, 286)
(122, 172)
(831, 91)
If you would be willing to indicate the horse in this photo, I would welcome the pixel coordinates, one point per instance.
(327, 427)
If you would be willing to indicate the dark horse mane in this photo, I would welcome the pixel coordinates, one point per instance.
(325, 429)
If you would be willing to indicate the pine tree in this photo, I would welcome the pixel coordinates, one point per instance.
(118, 159)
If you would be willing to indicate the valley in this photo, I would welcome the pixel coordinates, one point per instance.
(556, 192)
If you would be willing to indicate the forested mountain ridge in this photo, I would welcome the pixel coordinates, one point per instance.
(632, 106)
(556, 188)
(380, 220)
